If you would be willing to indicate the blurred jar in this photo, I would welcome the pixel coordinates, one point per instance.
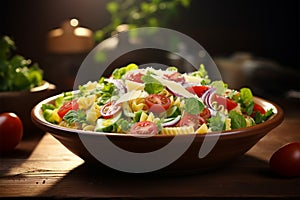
(67, 47)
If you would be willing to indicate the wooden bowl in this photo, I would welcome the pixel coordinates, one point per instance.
(229, 146)
(22, 102)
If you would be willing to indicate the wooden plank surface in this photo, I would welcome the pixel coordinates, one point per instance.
(42, 167)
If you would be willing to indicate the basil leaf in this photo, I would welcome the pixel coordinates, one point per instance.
(268, 114)
(193, 106)
(248, 109)
(152, 86)
(259, 118)
(237, 120)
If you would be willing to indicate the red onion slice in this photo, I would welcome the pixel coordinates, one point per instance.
(207, 97)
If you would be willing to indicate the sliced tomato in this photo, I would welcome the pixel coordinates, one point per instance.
(110, 109)
(135, 77)
(71, 105)
(176, 76)
(229, 103)
(144, 128)
(258, 108)
(157, 103)
(190, 120)
(205, 114)
(198, 90)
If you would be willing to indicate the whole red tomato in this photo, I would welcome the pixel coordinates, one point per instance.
(11, 131)
(286, 160)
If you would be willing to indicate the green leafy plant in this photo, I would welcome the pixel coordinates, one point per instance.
(140, 13)
(16, 72)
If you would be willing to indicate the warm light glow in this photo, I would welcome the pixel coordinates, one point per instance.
(74, 22)
(50, 149)
(56, 33)
(82, 32)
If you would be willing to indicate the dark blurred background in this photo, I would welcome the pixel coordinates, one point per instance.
(266, 29)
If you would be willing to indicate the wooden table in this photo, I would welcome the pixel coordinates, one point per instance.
(42, 167)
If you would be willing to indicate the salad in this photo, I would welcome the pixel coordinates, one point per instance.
(152, 101)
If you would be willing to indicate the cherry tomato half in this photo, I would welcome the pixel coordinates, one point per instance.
(71, 105)
(157, 103)
(259, 108)
(110, 109)
(144, 128)
(286, 160)
(191, 120)
(205, 113)
(229, 103)
(11, 131)
(198, 90)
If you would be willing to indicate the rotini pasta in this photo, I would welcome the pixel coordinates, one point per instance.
(177, 130)
(138, 104)
(93, 114)
(88, 127)
(86, 102)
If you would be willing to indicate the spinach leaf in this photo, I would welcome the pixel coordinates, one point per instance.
(237, 120)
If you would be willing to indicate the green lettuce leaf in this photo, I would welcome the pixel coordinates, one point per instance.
(193, 106)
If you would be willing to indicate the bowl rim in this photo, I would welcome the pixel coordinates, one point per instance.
(45, 85)
(275, 120)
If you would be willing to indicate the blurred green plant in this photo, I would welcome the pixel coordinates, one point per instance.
(16, 72)
(140, 13)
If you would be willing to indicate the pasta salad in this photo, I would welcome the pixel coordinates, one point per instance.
(152, 101)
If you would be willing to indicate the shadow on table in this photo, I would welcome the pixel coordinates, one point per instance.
(22, 151)
(91, 181)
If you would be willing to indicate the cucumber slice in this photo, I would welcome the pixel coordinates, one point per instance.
(168, 119)
(107, 125)
(173, 112)
(137, 116)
